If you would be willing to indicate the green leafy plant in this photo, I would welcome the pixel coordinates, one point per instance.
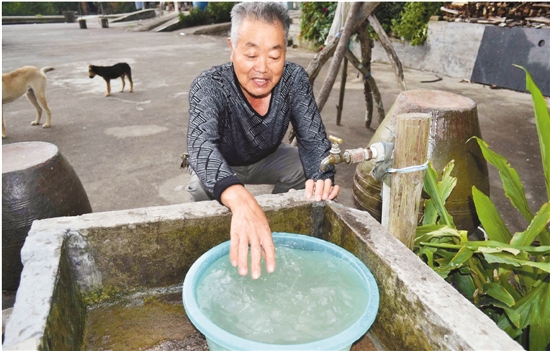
(412, 24)
(386, 12)
(215, 12)
(507, 275)
(196, 17)
(315, 21)
(407, 20)
(28, 8)
(220, 11)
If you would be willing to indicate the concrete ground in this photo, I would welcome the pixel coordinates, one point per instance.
(126, 148)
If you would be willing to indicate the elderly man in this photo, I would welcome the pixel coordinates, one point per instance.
(239, 114)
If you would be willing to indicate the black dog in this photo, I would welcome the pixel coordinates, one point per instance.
(121, 70)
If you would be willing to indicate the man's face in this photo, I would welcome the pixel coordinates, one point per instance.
(258, 57)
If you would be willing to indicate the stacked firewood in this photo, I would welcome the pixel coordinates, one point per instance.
(504, 14)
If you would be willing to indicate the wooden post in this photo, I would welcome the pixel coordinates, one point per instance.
(340, 105)
(411, 149)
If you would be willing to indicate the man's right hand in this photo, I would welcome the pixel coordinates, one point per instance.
(321, 189)
(249, 226)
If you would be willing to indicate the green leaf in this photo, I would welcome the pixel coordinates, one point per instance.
(513, 188)
(513, 251)
(511, 260)
(431, 187)
(444, 189)
(463, 235)
(497, 292)
(460, 258)
(533, 310)
(446, 254)
(501, 257)
(429, 253)
(430, 213)
(447, 183)
(477, 245)
(490, 218)
(504, 280)
(539, 333)
(513, 316)
(433, 228)
(510, 325)
(464, 283)
(542, 118)
(430, 232)
(529, 276)
(536, 227)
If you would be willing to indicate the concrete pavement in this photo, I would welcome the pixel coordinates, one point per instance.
(126, 148)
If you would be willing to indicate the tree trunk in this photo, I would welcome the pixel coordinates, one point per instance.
(372, 84)
(392, 56)
(366, 56)
(338, 55)
(314, 67)
(340, 105)
(322, 57)
(368, 101)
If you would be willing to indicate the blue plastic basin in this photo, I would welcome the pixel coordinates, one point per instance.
(220, 339)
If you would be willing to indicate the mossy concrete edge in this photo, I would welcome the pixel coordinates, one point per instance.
(418, 309)
(41, 256)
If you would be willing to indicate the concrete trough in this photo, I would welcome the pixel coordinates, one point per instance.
(75, 267)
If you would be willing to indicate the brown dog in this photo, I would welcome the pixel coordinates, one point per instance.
(32, 82)
(121, 70)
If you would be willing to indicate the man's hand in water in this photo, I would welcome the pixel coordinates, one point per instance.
(249, 227)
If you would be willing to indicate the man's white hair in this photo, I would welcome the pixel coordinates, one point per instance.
(268, 12)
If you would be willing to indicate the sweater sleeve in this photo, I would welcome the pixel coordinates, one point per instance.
(313, 143)
(205, 158)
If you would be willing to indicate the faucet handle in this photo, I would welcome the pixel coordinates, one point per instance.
(335, 140)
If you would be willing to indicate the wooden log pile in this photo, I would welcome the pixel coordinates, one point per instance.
(503, 14)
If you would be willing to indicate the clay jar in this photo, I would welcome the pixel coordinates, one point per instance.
(37, 183)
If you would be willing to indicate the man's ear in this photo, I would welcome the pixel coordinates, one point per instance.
(231, 48)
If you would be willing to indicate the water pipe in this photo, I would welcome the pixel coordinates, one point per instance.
(377, 152)
(381, 152)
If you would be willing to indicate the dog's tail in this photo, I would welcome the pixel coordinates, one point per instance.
(46, 69)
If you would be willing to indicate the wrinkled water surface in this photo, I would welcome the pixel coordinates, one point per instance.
(311, 295)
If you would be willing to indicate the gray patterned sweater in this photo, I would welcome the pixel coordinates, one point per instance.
(224, 130)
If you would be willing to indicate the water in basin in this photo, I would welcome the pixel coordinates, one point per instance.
(320, 297)
(311, 295)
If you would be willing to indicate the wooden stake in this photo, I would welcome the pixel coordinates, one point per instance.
(338, 55)
(392, 56)
(411, 149)
(349, 28)
(375, 93)
(322, 57)
(340, 105)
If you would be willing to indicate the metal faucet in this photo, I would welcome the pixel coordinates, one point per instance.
(375, 151)
(334, 156)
